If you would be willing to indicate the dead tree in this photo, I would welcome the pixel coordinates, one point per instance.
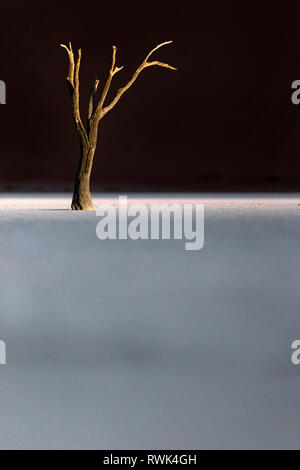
(88, 137)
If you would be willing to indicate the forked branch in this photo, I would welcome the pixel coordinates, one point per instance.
(113, 70)
(100, 110)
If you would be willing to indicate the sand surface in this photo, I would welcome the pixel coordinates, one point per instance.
(141, 344)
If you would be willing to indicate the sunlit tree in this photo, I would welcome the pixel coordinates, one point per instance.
(96, 111)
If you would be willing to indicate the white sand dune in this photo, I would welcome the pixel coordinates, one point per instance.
(141, 344)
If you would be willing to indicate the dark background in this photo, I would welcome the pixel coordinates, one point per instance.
(224, 121)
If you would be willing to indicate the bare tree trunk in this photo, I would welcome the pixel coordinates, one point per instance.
(82, 199)
(82, 195)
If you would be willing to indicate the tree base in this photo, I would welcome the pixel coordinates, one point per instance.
(79, 206)
(82, 200)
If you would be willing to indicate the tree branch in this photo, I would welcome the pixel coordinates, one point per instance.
(141, 67)
(100, 111)
(113, 70)
(155, 49)
(70, 77)
(92, 96)
(73, 79)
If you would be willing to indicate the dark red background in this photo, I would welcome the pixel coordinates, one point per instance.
(224, 121)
